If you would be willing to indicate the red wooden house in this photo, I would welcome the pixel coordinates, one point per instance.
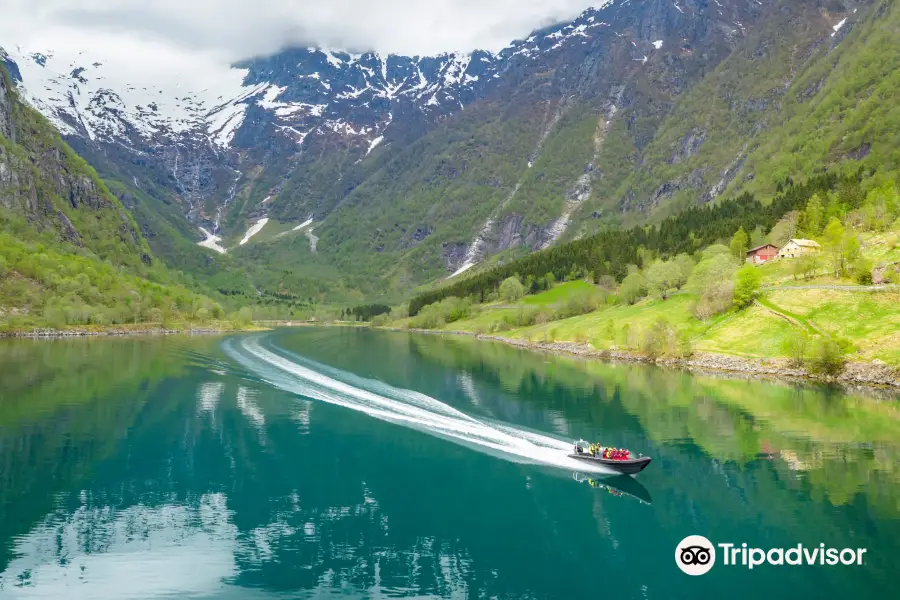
(761, 254)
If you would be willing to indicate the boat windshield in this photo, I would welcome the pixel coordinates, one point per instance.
(583, 444)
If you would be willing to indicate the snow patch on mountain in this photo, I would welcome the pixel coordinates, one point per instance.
(84, 95)
(374, 144)
(838, 26)
(256, 228)
(211, 241)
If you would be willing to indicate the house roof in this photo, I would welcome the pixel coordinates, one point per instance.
(752, 250)
(807, 243)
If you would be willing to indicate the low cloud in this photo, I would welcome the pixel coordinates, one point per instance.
(236, 29)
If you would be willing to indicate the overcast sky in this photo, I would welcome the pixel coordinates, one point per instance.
(235, 29)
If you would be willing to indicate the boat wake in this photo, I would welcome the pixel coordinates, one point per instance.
(408, 408)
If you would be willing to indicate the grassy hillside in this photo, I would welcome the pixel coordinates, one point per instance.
(70, 253)
(868, 320)
(819, 310)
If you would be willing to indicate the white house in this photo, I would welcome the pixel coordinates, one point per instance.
(795, 248)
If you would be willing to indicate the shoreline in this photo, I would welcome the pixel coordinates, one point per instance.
(870, 375)
(41, 333)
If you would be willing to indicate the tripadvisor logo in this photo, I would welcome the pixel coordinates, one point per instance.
(696, 555)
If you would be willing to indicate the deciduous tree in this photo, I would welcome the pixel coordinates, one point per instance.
(662, 277)
(511, 289)
(739, 243)
(746, 286)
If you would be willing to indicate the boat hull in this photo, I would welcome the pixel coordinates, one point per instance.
(626, 467)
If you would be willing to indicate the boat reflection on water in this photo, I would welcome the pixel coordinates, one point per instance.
(617, 485)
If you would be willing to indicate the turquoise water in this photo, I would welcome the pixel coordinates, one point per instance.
(317, 463)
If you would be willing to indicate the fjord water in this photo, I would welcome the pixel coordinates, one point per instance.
(333, 462)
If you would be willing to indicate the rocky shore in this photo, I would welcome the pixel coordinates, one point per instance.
(875, 373)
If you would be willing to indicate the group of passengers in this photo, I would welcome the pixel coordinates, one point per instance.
(610, 453)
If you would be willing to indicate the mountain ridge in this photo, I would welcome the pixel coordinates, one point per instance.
(565, 132)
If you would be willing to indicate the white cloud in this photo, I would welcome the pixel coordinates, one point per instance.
(235, 29)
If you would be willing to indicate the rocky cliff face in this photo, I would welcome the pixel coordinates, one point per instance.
(575, 126)
(45, 182)
(7, 130)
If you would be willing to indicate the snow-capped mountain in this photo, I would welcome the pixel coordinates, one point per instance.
(196, 128)
(305, 90)
(467, 153)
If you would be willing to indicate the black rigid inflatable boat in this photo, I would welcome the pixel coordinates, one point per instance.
(595, 454)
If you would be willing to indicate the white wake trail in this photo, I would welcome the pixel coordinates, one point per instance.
(404, 407)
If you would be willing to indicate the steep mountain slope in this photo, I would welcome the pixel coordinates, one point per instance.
(70, 253)
(841, 109)
(703, 148)
(43, 181)
(552, 152)
(402, 170)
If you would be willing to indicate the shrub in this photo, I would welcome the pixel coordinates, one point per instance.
(525, 317)
(55, 317)
(440, 313)
(712, 281)
(805, 266)
(428, 318)
(381, 320)
(827, 357)
(633, 288)
(544, 315)
(746, 286)
(607, 282)
(714, 300)
(862, 271)
(579, 304)
(685, 346)
(685, 267)
(652, 342)
(796, 347)
(609, 332)
(662, 340)
(245, 316)
(217, 311)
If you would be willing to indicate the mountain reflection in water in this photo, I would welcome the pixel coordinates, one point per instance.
(149, 468)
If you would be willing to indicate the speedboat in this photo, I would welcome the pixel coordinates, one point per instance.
(621, 461)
